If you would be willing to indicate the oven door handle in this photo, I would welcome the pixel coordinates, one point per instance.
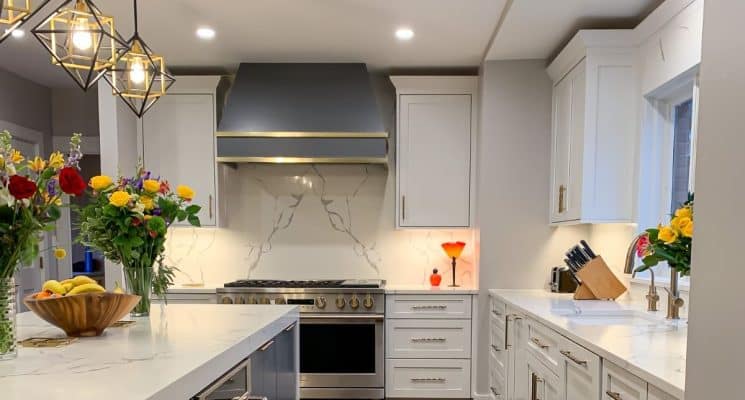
(368, 317)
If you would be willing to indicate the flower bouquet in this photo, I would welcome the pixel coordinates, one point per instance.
(30, 199)
(671, 243)
(128, 220)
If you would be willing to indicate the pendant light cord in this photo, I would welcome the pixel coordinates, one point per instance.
(137, 29)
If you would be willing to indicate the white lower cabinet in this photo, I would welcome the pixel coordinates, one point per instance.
(529, 361)
(428, 346)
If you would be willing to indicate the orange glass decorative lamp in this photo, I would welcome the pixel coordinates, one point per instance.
(453, 250)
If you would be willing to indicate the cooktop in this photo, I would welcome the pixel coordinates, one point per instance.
(339, 283)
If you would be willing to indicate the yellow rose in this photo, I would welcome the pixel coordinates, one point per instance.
(119, 198)
(16, 157)
(679, 222)
(147, 202)
(668, 235)
(37, 165)
(59, 253)
(56, 160)
(684, 212)
(185, 192)
(2, 162)
(148, 217)
(100, 182)
(687, 229)
(151, 185)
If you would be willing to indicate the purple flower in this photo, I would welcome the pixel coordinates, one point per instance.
(157, 211)
(52, 187)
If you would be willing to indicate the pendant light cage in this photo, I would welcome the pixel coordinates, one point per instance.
(139, 77)
(81, 39)
(14, 13)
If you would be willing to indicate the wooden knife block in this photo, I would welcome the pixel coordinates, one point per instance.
(598, 282)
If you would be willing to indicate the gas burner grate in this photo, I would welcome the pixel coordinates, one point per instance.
(252, 283)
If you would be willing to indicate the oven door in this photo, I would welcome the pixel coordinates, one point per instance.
(342, 355)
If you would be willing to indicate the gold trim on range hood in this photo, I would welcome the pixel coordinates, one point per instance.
(305, 160)
(306, 134)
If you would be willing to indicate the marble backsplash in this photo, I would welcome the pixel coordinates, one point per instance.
(312, 222)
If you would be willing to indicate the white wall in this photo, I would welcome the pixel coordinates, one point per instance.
(715, 367)
(517, 246)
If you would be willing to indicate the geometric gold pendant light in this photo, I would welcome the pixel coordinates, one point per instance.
(81, 39)
(14, 13)
(139, 76)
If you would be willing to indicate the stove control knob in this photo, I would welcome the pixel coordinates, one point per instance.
(280, 300)
(265, 300)
(354, 302)
(241, 300)
(340, 302)
(253, 300)
(226, 300)
(368, 302)
(321, 302)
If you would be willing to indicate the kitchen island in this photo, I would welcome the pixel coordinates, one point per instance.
(174, 354)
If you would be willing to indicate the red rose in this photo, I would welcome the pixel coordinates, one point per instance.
(71, 182)
(21, 187)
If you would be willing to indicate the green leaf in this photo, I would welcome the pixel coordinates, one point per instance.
(54, 212)
(193, 209)
(194, 221)
(181, 215)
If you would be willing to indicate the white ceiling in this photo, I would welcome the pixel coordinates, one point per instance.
(448, 33)
(538, 28)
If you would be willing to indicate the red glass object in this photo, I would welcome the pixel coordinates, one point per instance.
(435, 278)
(453, 250)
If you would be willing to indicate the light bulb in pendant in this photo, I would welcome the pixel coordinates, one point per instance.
(81, 36)
(137, 71)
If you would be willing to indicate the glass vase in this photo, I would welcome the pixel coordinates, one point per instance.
(8, 348)
(140, 282)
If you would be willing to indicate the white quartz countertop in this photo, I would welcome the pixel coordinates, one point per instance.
(174, 354)
(655, 353)
(205, 288)
(428, 289)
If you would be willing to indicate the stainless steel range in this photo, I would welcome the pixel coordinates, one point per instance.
(341, 332)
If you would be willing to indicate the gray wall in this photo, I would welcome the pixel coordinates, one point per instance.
(25, 103)
(716, 358)
(518, 248)
(74, 110)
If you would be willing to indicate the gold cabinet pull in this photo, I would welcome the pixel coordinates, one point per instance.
(562, 194)
(403, 208)
(538, 343)
(614, 395)
(429, 380)
(210, 206)
(569, 355)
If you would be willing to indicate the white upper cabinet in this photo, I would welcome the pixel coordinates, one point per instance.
(594, 127)
(435, 135)
(179, 141)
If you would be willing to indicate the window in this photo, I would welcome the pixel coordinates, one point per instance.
(667, 155)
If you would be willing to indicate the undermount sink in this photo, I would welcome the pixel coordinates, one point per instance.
(625, 317)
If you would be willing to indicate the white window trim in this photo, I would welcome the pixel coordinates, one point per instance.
(656, 153)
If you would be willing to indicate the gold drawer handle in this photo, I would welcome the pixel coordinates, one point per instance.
(497, 313)
(494, 391)
(540, 344)
(428, 380)
(569, 355)
(435, 307)
(428, 340)
(614, 395)
(497, 349)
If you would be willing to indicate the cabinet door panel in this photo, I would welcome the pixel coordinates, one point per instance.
(580, 372)
(179, 146)
(561, 148)
(621, 384)
(434, 160)
(576, 142)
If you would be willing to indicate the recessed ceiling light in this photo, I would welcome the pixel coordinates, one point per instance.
(404, 34)
(206, 33)
(18, 33)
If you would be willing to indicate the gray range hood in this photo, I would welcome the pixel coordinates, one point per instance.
(302, 113)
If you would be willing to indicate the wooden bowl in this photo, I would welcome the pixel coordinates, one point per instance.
(83, 315)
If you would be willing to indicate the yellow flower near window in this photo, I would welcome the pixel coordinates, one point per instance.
(119, 198)
(679, 222)
(147, 202)
(16, 157)
(151, 185)
(668, 235)
(60, 253)
(684, 212)
(687, 229)
(49, 199)
(185, 192)
(100, 182)
(56, 160)
(37, 165)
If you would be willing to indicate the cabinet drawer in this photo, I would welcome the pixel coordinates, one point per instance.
(498, 308)
(428, 306)
(428, 378)
(421, 338)
(497, 377)
(496, 335)
(581, 371)
(620, 384)
(544, 344)
(656, 394)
